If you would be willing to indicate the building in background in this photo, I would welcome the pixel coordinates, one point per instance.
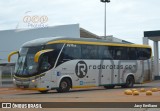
(12, 40)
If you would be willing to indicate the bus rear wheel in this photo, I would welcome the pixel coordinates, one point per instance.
(109, 87)
(64, 86)
(129, 82)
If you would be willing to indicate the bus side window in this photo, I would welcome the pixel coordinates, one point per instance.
(132, 53)
(124, 53)
(84, 52)
(93, 52)
(104, 53)
(118, 54)
(139, 54)
(89, 52)
(111, 51)
(146, 53)
(69, 52)
(76, 52)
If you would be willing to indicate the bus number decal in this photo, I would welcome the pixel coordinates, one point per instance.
(71, 45)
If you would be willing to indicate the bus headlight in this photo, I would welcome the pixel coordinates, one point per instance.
(33, 80)
(14, 80)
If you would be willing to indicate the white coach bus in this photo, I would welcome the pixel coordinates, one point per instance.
(64, 63)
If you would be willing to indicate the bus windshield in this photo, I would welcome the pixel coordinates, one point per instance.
(25, 65)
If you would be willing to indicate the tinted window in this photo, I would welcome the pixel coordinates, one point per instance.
(118, 53)
(124, 53)
(50, 57)
(104, 52)
(132, 53)
(147, 53)
(139, 54)
(143, 53)
(89, 52)
(70, 52)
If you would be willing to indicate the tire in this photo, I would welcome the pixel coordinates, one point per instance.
(129, 82)
(109, 87)
(64, 86)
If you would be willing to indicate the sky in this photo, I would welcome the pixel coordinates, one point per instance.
(126, 19)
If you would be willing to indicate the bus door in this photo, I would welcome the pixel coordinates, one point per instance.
(105, 72)
(119, 55)
(116, 72)
(105, 68)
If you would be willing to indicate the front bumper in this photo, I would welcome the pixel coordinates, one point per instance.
(28, 84)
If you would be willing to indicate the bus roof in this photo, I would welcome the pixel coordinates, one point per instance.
(89, 41)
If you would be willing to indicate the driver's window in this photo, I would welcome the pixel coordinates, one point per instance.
(45, 63)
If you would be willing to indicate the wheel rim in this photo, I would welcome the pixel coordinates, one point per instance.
(64, 85)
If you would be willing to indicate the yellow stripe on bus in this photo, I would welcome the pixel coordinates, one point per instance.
(36, 89)
(88, 86)
(97, 43)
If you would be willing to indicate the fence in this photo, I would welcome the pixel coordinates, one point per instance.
(6, 71)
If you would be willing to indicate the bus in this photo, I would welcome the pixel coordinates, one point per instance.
(63, 63)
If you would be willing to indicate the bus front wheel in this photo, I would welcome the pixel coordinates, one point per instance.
(129, 82)
(64, 86)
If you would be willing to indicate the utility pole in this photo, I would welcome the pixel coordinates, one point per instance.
(105, 1)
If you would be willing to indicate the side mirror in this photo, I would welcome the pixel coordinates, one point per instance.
(12, 53)
(40, 53)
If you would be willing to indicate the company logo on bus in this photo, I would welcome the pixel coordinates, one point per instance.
(81, 69)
